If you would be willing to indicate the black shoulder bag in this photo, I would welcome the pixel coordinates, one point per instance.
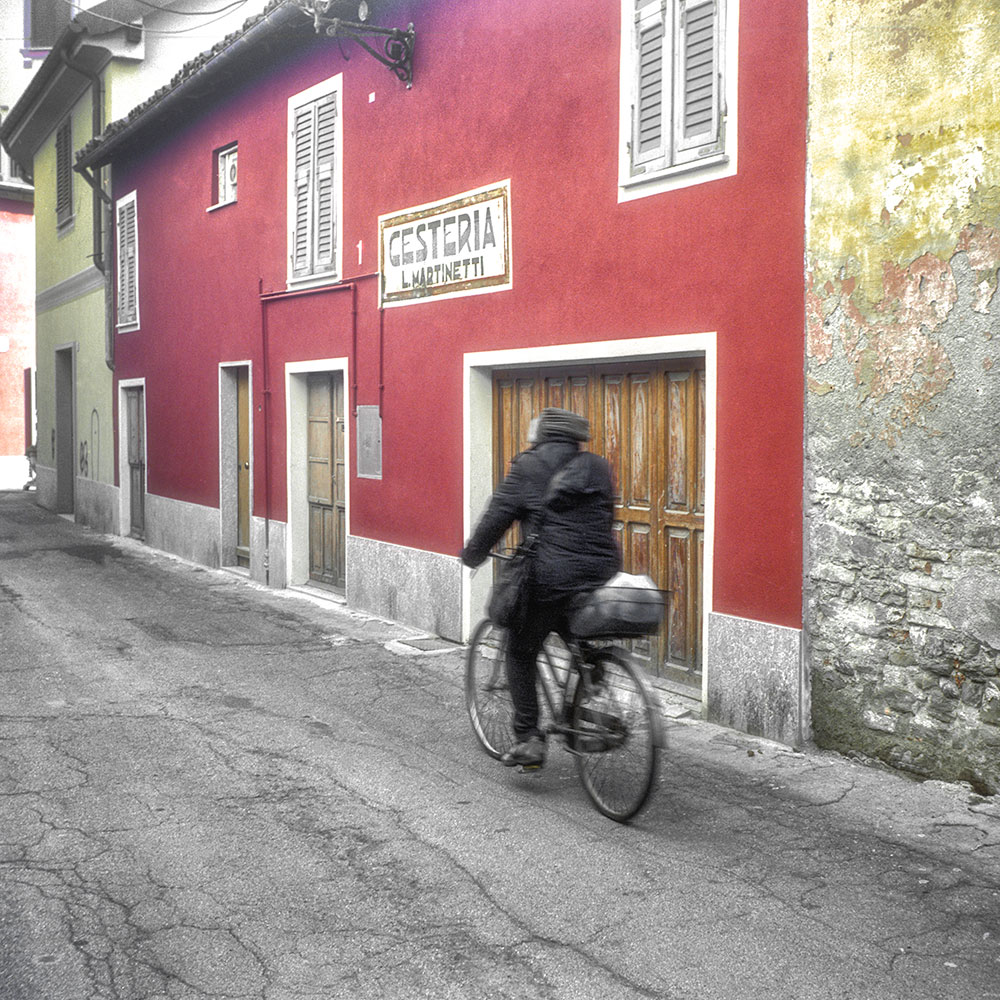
(508, 605)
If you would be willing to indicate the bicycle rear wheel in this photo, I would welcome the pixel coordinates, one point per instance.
(616, 734)
(487, 695)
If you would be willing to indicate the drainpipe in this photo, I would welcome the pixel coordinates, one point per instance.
(354, 350)
(101, 204)
(381, 362)
(267, 432)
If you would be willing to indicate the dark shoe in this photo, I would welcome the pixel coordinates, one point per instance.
(529, 754)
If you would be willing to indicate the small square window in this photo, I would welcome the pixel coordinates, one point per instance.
(225, 175)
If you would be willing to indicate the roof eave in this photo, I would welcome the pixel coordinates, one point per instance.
(17, 191)
(47, 97)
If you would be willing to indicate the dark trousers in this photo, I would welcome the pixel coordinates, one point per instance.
(523, 647)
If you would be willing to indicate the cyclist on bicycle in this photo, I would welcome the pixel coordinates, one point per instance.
(576, 550)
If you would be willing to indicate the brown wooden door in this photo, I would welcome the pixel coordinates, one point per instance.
(243, 466)
(648, 420)
(64, 450)
(682, 515)
(326, 459)
(136, 420)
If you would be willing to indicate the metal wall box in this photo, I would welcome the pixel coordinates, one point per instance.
(369, 443)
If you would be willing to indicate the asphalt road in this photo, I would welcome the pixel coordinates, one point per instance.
(212, 790)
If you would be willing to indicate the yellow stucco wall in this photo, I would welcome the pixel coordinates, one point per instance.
(65, 254)
(62, 252)
(79, 323)
(904, 131)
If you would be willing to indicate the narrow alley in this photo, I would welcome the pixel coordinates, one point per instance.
(209, 789)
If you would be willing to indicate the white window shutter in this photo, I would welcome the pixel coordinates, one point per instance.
(303, 164)
(314, 170)
(325, 240)
(697, 117)
(127, 264)
(649, 127)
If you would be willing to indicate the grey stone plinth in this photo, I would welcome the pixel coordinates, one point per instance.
(417, 588)
(755, 678)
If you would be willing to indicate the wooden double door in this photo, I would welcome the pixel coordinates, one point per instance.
(648, 420)
(243, 466)
(327, 466)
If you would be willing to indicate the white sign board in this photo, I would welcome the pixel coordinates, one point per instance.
(460, 246)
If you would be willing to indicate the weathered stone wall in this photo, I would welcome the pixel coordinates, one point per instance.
(903, 400)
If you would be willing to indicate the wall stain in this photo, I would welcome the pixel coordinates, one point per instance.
(901, 118)
(903, 264)
(890, 347)
(981, 243)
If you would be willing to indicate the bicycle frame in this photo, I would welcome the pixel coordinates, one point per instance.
(593, 697)
(558, 693)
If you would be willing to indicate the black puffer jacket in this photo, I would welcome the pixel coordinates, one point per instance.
(576, 550)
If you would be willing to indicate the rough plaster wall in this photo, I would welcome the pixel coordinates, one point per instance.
(17, 323)
(903, 405)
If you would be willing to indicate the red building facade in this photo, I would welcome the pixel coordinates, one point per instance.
(17, 335)
(340, 299)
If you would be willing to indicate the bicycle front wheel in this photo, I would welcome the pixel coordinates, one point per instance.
(487, 694)
(616, 734)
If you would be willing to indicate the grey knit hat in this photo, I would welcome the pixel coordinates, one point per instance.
(555, 425)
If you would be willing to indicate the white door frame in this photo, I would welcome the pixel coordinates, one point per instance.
(228, 423)
(124, 477)
(477, 420)
(69, 485)
(297, 483)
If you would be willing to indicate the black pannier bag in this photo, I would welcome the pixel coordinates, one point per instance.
(626, 605)
(508, 604)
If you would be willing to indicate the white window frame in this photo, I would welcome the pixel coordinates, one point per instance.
(127, 319)
(477, 424)
(676, 161)
(316, 273)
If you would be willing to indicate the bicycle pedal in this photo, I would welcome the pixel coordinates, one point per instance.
(530, 768)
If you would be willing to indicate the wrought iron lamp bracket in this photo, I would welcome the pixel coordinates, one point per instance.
(397, 49)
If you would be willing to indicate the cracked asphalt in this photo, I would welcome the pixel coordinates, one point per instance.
(208, 789)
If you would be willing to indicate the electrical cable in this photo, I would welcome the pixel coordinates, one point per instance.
(165, 10)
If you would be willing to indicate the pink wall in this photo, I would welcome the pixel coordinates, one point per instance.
(17, 318)
(503, 89)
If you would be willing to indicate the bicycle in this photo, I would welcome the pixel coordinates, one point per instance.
(598, 702)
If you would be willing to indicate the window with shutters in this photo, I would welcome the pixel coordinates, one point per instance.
(678, 89)
(64, 175)
(314, 181)
(128, 263)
